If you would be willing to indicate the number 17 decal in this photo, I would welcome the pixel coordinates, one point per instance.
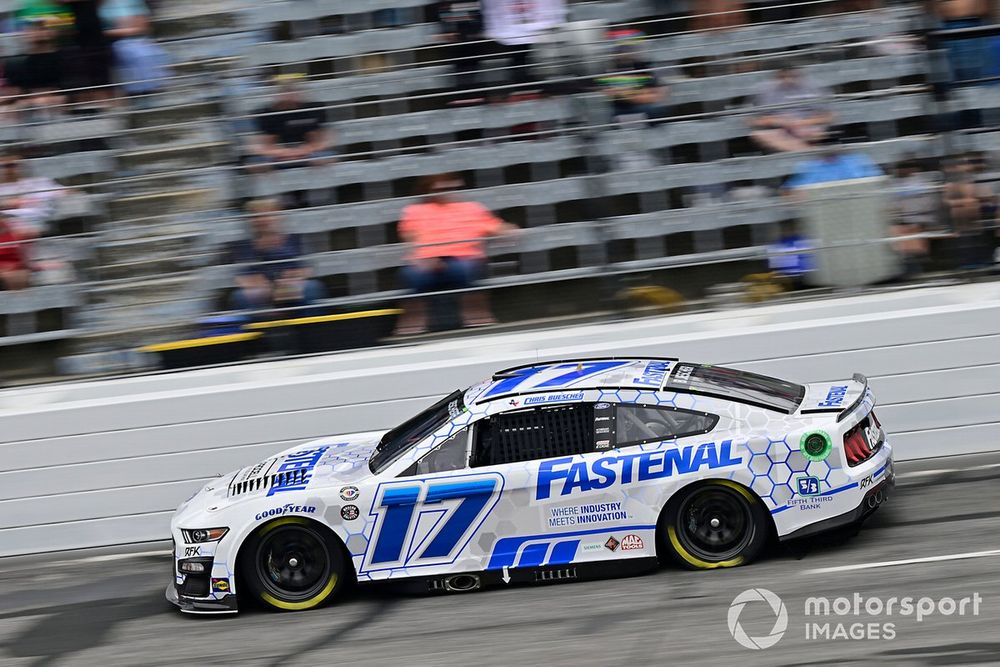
(428, 522)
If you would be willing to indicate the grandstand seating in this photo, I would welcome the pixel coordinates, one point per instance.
(160, 182)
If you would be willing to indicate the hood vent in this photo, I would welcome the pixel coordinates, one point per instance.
(289, 478)
(259, 478)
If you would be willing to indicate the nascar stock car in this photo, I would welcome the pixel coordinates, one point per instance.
(551, 471)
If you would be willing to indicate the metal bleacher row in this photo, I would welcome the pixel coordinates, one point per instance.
(362, 266)
(558, 206)
(549, 149)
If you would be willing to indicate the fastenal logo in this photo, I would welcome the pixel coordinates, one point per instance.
(778, 609)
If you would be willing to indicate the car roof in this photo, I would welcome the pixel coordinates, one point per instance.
(650, 373)
(575, 375)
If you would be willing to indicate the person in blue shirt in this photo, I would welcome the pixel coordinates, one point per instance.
(834, 163)
(271, 272)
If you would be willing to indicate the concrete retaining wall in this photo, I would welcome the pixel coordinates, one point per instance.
(102, 463)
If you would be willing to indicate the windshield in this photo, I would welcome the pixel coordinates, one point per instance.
(741, 386)
(415, 429)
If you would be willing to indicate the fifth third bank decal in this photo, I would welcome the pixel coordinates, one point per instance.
(848, 617)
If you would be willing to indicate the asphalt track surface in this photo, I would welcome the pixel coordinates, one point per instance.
(108, 609)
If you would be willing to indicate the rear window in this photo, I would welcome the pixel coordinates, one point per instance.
(751, 388)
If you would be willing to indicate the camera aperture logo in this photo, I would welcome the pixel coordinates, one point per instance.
(857, 617)
(777, 607)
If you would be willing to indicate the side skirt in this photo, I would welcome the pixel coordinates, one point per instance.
(460, 582)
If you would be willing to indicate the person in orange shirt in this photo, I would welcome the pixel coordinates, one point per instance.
(448, 252)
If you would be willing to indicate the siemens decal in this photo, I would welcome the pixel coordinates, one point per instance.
(627, 468)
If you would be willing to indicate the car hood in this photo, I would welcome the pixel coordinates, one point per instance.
(326, 462)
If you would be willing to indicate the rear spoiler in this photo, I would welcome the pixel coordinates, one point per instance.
(858, 377)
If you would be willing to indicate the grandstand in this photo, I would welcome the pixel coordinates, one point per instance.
(159, 181)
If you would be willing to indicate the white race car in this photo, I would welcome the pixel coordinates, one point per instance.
(552, 471)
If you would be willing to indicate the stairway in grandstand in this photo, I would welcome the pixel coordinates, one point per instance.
(166, 189)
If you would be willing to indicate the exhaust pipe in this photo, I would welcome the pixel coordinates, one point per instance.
(872, 502)
(461, 583)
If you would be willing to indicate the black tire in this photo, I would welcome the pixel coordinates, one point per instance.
(712, 525)
(293, 564)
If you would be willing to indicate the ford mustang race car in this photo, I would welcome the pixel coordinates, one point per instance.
(551, 471)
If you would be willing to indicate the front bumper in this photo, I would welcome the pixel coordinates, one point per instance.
(871, 501)
(206, 592)
(224, 605)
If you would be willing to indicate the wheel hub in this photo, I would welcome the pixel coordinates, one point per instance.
(293, 562)
(715, 524)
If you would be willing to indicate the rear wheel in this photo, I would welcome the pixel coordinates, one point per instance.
(292, 564)
(717, 524)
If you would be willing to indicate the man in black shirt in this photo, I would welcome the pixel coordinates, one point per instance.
(41, 71)
(631, 83)
(461, 24)
(92, 57)
(290, 132)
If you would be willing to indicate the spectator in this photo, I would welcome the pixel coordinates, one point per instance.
(833, 164)
(915, 207)
(719, 14)
(29, 10)
(93, 57)
(968, 207)
(114, 12)
(14, 271)
(912, 248)
(271, 273)
(40, 71)
(631, 83)
(448, 253)
(461, 24)
(291, 131)
(915, 194)
(793, 113)
(30, 200)
(970, 57)
(142, 64)
(517, 24)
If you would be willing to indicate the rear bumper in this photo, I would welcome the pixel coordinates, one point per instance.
(224, 605)
(870, 502)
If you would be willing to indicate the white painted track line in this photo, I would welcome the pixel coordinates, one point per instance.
(110, 557)
(907, 561)
(946, 471)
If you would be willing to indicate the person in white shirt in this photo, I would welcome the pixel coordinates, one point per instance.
(517, 24)
(29, 200)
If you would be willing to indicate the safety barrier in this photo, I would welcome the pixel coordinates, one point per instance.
(105, 462)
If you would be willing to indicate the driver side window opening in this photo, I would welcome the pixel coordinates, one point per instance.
(636, 424)
(538, 433)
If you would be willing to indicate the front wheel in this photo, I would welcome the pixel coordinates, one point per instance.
(292, 564)
(717, 524)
